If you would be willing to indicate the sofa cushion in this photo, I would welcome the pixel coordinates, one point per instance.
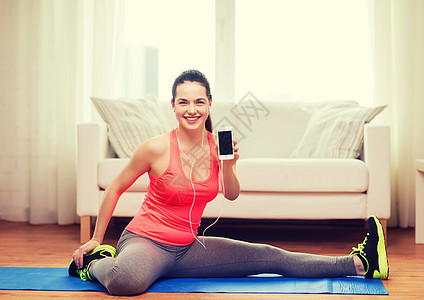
(130, 121)
(289, 175)
(108, 168)
(335, 131)
(272, 129)
(302, 175)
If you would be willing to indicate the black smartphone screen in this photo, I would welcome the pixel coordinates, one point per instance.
(225, 143)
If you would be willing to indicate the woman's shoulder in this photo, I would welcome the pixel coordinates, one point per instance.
(154, 146)
(158, 143)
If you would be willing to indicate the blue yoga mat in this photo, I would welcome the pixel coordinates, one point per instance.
(57, 279)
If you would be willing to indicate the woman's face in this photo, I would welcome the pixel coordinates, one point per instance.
(191, 105)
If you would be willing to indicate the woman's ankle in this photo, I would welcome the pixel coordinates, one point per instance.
(359, 266)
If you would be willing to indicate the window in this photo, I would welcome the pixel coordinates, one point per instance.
(183, 32)
(282, 49)
(307, 49)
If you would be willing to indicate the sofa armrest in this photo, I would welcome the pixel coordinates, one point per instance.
(92, 145)
(376, 156)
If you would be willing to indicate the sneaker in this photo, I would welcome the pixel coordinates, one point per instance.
(372, 251)
(97, 253)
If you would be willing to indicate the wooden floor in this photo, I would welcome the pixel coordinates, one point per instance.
(22, 244)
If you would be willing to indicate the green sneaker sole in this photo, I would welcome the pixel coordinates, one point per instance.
(102, 248)
(382, 255)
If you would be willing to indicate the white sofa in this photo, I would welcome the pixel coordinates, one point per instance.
(273, 185)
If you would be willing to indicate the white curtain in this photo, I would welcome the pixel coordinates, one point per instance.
(398, 47)
(53, 54)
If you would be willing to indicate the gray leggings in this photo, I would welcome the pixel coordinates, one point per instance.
(141, 261)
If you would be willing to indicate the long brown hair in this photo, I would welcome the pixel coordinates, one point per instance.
(194, 76)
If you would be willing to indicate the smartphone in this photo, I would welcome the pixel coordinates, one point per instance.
(225, 143)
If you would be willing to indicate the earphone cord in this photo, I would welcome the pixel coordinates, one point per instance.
(194, 192)
(222, 205)
(192, 184)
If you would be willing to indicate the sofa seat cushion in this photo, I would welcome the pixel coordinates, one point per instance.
(108, 168)
(302, 175)
(288, 175)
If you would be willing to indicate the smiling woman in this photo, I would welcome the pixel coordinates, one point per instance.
(162, 239)
(191, 99)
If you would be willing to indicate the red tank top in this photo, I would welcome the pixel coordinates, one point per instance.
(164, 214)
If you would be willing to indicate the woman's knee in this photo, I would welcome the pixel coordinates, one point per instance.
(127, 284)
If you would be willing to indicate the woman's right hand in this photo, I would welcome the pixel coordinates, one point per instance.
(78, 255)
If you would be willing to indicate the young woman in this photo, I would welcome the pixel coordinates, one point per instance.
(161, 240)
